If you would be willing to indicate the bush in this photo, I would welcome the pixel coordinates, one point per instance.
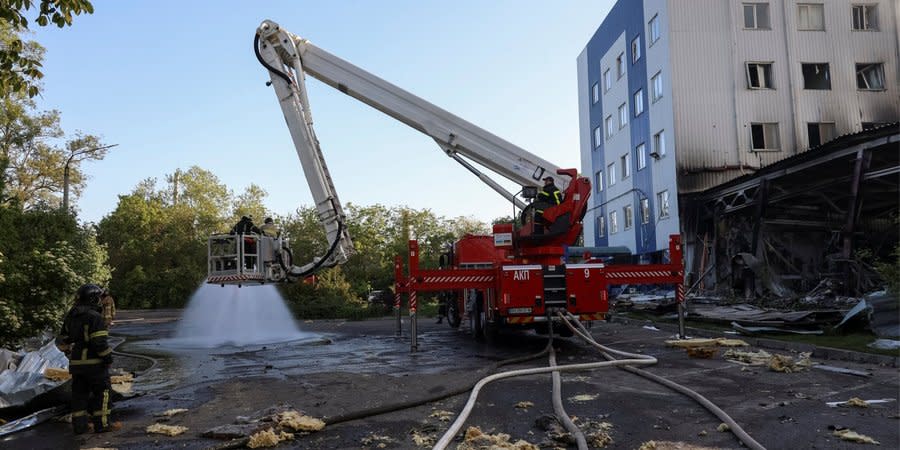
(331, 297)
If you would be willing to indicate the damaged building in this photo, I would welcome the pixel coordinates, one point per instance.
(765, 132)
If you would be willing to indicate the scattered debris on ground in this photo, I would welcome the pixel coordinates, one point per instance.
(702, 352)
(377, 441)
(171, 412)
(268, 438)
(423, 438)
(555, 432)
(723, 427)
(665, 445)
(57, 374)
(101, 448)
(867, 402)
(583, 398)
(857, 402)
(278, 419)
(777, 362)
(852, 436)
(524, 405)
(475, 439)
(597, 434)
(702, 433)
(122, 382)
(168, 430)
(706, 342)
(299, 422)
(443, 416)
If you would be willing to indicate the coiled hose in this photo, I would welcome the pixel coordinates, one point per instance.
(739, 432)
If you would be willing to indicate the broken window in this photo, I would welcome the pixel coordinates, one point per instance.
(611, 174)
(623, 115)
(865, 17)
(609, 127)
(819, 133)
(613, 223)
(811, 17)
(764, 136)
(870, 76)
(620, 65)
(759, 76)
(626, 165)
(598, 181)
(601, 226)
(645, 210)
(873, 125)
(662, 199)
(656, 86)
(607, 81)
(659, 145)
(654, 29)
(598, 138)
(595, 93)
(638, 102)
(628, 212)
(756, 16)
(641, 155)
(635, 49)
(816, 76)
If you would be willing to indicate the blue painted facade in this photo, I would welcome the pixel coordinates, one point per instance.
(625, 20)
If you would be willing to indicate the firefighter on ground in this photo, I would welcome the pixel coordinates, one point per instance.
(547, 197)
(84, 340)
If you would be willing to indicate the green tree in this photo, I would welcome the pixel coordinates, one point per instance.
(250, 203)
(20, 68)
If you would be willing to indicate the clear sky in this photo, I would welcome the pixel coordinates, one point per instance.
(176, 84)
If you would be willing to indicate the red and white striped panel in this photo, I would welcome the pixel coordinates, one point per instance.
(459, 279)
(641, 274)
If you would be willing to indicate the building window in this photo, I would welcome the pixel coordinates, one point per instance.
(635, 49)
(870, 76)
(638, 102)
(656, 87)
(626, 165)
(598, 138)
(764, 136)
(654, 29)
(620, 65)
(756, 16)
(623, 115)
(645, 210)
(607, 81)
(598, 181)
(601, 226)
(759, 76)
(662, 199)
(819, 133)
(595, 93)
(865, 17)
(816, 76)
(811, 17)
(609, 127)
(873, 125)
(613, 223)
(641, 155)
(611, 175)
(628, 212)
(659, 145)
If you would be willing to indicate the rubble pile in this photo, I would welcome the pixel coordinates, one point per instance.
(475, 439)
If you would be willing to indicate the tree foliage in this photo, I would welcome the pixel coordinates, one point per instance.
(20, 67)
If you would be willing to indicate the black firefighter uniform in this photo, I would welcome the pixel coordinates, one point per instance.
(85, 333)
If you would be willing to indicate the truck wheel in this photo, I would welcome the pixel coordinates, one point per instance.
(478, 318)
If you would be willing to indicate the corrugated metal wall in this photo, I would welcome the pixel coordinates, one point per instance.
(714, 106)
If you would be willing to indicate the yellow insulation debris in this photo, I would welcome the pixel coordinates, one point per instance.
(583, 398)
(477, 440)
(852, 436)
(524, 405)
(268, 438)
(666, 445)
(857, 402)
(171, 412)
(168, 430)
(701, 342)
(443, 416)
(299, 422)
(56, 374)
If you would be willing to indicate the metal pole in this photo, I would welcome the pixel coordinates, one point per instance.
(413, 331)
(397, 311)
(679, 298)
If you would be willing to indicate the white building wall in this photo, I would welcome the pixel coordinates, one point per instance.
(584, 123)
(615, 146)
(662, 118)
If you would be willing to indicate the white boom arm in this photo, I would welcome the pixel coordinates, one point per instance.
(280, 56)
(454, 135)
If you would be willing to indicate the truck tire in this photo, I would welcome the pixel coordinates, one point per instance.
(453, 317)
(478, 318)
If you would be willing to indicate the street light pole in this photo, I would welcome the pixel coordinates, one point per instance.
(65, 203)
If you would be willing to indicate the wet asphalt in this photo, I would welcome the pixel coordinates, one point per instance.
(341, 367)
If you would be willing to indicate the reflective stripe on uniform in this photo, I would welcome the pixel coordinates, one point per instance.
(100, 333)
(104, 409)
(105, 352)
(79, 413)
(85, 362)
(86, 334)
